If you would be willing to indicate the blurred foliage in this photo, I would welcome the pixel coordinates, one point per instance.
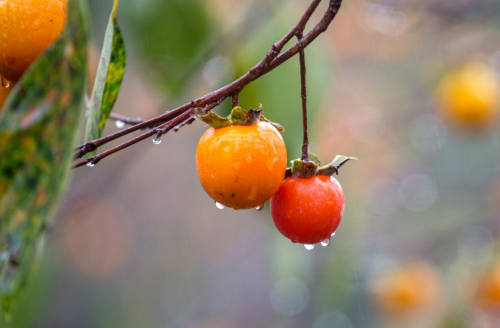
(38, 126)
(170, 41)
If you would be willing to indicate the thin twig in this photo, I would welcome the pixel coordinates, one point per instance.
(177, 116)
(235, 100)
(303, 95)
(125, 119)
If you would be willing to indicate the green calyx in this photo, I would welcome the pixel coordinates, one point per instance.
(312, 167)
(238, 116)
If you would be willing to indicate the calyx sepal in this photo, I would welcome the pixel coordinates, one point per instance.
(238, 116)
(310, 168)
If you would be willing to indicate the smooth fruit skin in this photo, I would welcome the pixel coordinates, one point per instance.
(308, 210)
(28, 27)
(471, 96)
(241, 166)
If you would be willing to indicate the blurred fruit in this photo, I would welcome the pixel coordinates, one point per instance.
(488, 291)
(470, 96)
(308, 210)
(241, 166)
(28, 28)
(4, 93)
(406, 290)
(97, 245)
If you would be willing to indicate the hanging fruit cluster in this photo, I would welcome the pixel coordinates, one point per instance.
(241, 163)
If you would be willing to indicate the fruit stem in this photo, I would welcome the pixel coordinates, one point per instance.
(303, 93)
(235, 100)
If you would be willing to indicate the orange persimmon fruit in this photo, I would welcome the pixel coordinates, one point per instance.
(27, 29)
(241, 166)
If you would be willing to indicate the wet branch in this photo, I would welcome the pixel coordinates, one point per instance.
(180, 116)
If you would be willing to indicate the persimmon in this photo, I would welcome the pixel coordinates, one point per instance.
(406, 289)
(470, 96)
(488, 289)
(308, 210)
(241, 161)
(28, 28)
(310, 203)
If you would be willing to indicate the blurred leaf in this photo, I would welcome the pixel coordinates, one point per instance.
(38, 126)
(170, 36)
(108, 79)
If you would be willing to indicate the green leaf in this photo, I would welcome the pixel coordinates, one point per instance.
(38, 128)
(108, 79)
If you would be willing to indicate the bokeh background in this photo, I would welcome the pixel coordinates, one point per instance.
(137, 242)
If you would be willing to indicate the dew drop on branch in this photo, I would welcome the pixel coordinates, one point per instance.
(90, 164)
(157, 139)
(120, 124)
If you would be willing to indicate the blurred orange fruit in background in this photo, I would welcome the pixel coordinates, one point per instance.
(470, 96)
(488, 289)
(407, 289)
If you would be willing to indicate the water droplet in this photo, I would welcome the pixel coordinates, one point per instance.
(260, 207)
(220, 206)
(157, 139)
(5, 82)
(325, 242)
(309, 246)
(270, 164)
(253, 193)
(294, 238)
(120, 124)
(90, 164)
(333, 233)
(236, 148)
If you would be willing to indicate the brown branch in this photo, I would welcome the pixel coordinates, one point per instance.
(180, 116)
(235, 100)
(125, 119)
